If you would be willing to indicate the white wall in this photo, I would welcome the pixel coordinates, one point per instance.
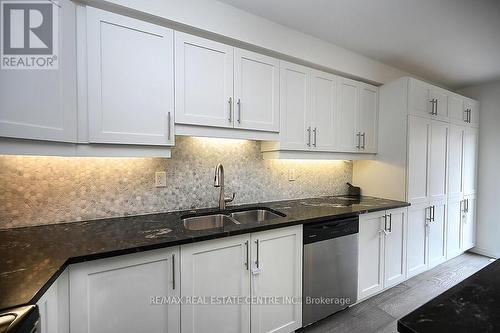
(488, 219)
(222, 19)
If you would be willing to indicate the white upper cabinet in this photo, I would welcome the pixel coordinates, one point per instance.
(324, 110)
(348, 138)
(470, 160)
(203, 81)
(471, 109)
(440, 101)
(114, 294)
(419, 98)
(427, 100)
(368, 118)
(42, 104)
(130, 80)
(458, 114)
(256, 91)
(295, 105)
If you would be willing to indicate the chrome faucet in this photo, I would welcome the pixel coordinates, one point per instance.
(219, 182)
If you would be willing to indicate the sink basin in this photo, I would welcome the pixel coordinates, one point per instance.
(255, 216)
(207, 222)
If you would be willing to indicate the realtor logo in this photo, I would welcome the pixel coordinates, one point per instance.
(29, 34)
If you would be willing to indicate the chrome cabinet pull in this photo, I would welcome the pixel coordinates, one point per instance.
(359, 140)
(430, 214)
(257, 259)
(173, 271)
(433, 213)
(364, 140)
(230, 109)
(239, 110)
(432, 101)
(315, 131)
(169, 127)
(385, 222)
(469, 118)
(309, 136)
(466, 205)
(437, 104)
(390, 223)
(246, 263)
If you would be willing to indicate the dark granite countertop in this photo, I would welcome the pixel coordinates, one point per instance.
(32, 258)
(473, 305)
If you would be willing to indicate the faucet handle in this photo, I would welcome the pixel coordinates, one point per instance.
(230, 199)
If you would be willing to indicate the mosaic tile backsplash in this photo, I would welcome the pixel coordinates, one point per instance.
(46, 190)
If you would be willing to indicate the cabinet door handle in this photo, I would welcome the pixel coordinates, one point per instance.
(430, 214)
(239, 110)
(385, 222)
(173, 271)
(359, 140)
(230, 101)
(437, 104)
(466, 205)
(432, 101)
(169, 126)
(315, 136)
(309, 136)
(364, 140)
(257, 259)
(246, 263)
(390, 223)
(469, 118)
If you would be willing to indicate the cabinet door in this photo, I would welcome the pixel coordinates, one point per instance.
(473, 108)
(456, 109)
(278, 255)
(438, 157)
(256, 91)
(42, 104)
(368, 118)
(215, 268)
(295, 105)
(437, 233)
(395, 248)
(203, 82)
(469, 223)
(117, 294)
(371, 254)
(53, 307)
(324, 110)
(470, 160)
(348, 136)
(441, 105)
(418, 157)
(455, 161)
(419, 96)
(454, 227)
(130, 80)
(417, 257)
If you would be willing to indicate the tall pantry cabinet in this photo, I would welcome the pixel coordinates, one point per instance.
(427, 156)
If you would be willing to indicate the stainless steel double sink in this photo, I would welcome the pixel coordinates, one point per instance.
(213, 221)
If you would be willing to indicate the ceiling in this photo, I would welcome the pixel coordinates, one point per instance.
(455, 43)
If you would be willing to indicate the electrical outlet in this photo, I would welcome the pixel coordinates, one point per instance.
(291, 175)
(160, 179)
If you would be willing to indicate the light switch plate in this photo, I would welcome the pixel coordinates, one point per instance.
(160, 179)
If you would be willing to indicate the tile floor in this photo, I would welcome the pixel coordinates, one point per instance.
(381, 312)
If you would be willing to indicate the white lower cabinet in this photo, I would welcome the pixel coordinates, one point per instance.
(216, 268)
(469, 223)
(278, 254)
(437, 233)
(382, 250)
(266, 264)
(417, 255)
(124, 294)
(53, 307)
(454, 228)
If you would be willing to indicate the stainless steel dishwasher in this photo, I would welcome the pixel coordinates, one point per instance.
(330, 278)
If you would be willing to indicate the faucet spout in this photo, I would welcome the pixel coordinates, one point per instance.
(219, 182)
